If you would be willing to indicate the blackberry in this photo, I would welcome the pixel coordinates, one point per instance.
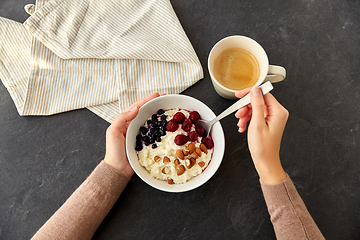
(163, 117)
(138, 142)
(143, 130)
(158, 139)
(138, 148)
(152, 140)
(154, 146)
(147, 143)
(146, 139)
(160, 111)
(138, 137)
(154, 117)
(148, 122)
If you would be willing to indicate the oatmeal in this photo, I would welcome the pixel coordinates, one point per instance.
(172, 148)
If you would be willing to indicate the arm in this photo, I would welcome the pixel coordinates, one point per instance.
(290, 218)
(288, 213)
(83, 212)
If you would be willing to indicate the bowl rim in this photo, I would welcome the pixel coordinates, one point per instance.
(202, 178)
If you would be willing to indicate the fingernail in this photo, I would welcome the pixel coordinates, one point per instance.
(256, 91)
(239, 130)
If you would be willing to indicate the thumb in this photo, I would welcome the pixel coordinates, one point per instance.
(258, 105)
(125, 117)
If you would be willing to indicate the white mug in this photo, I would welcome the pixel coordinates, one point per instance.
(267, 72)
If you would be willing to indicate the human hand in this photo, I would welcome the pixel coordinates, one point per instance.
(115, 155)
(267, 122)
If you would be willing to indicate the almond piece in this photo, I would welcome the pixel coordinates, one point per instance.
(180, 170)
(190, 162)
(180, 154)
(201, 164)
(185, 152)
(156, 158)
(170, 181)
(203, 148)
(177, 162)
(198, 152)
(191, 148)
(165, 170)
(166, 159)
(194, 155)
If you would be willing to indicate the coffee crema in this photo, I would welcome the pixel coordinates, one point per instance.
(236, 68)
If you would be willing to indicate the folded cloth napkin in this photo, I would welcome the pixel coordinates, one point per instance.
(102, 55)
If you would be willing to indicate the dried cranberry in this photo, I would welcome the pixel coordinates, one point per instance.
(193, 136)
(172, 126)
(186, 126)
(181, 139)
(194, 116)
(200, 130)
(208, 142)
(179, 117)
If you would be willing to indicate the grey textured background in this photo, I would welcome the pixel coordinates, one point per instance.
(44, 159)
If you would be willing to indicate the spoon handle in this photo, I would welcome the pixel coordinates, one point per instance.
(265, 88)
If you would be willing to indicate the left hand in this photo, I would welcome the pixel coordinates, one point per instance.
(115, 155)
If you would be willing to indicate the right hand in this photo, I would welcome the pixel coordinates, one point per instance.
(267, 122)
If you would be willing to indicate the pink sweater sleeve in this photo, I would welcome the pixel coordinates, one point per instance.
(288, 213)
(82, 213)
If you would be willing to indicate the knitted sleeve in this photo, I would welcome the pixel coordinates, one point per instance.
(82, 213)
(288, 213)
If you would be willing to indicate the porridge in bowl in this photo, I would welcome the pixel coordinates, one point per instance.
(171, 146)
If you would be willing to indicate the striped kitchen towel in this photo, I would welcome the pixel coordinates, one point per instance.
(100, 55)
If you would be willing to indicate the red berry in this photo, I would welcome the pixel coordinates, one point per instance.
(181, 139)
(172, 126)
(186, 126)
(194, 116)
(193, 136)
(208, 142)
(179, 117)
(200, 130)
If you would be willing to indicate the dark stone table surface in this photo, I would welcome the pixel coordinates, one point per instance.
(44, 159)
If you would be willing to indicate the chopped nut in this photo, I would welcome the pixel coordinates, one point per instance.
(185, 152)
(201, 164)
(170, 181)
(165, 170)
(180, 170)
(194, 155)
(198, 152)
(177, 162)
(190, 162)
(191, 148)
(203, 148)
(180, 154)
(156, 158)
(166, 159)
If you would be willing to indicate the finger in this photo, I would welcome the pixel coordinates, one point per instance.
(141, 102)
(242, 92)
(242, 123)
(242, 112)
(121, 121)
(258, 106)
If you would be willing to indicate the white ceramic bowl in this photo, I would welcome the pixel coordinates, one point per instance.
(169, 102)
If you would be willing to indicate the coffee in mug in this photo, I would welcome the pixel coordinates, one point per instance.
(239, 62)
(236, 68)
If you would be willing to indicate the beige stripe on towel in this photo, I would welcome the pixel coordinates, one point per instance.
(103, 55)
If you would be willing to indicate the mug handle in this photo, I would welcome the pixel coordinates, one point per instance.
(275, 74)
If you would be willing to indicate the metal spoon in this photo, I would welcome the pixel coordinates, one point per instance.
(207, 125)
